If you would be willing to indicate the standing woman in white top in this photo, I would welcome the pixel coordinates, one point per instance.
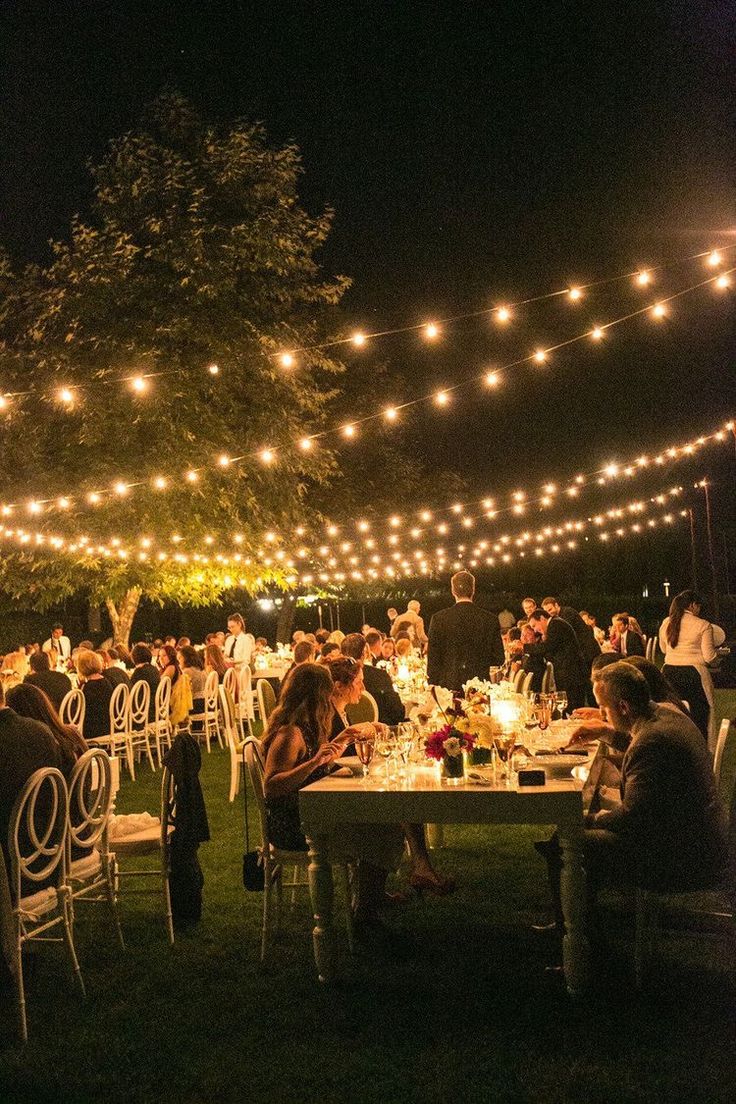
(688, 644)
(239, 644)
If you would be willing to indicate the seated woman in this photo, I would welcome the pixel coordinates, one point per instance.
(348, 685)
(30, 701)
(298, 750)
(168, 664)
(97, 694)
(214, 660)
(192, 664)
(388, 649)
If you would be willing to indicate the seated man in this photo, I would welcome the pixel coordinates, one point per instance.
(55, 684)
(669, 832)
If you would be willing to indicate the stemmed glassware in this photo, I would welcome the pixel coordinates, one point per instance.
(365, 746)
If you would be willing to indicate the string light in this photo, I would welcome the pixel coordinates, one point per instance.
(714, 259)
(391, 413)
(723, 282)
(659, 310)
(431, 331)
(192, 476)
(643, 278)
(305, 444)
(139, 384)
(66, 396)
(213, 369)
(348, 430)
(442, 398)
(358, 339)
(286, 360)
(575, 294)
(540, 356)
(224, 460)
(267, 456)
(492, 379)
(503, 314)
(596, 333)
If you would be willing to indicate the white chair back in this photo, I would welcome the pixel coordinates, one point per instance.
(163, 700)
(140, 704)
(210, 692)
(230, 682)
(245, 694)
(72, 709)
(90, 799)
(120, 712)
(253, 751)
(720, 748)
(527, 683)
(229, 716)
(518, 679)
(38, 829)
(266, 700)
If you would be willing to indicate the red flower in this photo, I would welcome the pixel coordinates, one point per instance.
(434, 745)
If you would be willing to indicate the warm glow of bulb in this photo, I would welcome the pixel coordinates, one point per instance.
(213, 369)
(503, 314)
(3, 402)
(492, 379)
(390, 413)
(723, 282)
(286, 360)
(643, 278)
(442, 398)
(139, 384)
(34, 507)
(224, 460)
(192, 476)
(540, 356)
(575, 293)
(348, 431)
(659, 310)
(714, 258)
(121, 488)
(358, 339)
(93, 498)
(63, 503)
(305, 444)
(66, 396)
(267, 456)
(596, 333)
(160, 483)
(431, 330)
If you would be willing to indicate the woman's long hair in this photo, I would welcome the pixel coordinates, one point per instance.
(304, 703)
(660, 688)
(171, 661)
(678, 607)
(28, 701)
(214, 658)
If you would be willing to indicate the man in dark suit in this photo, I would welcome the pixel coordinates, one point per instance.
(464, 640)
(669, 833)
(146, 672)
(559, 646)
(377, 681)
(589, 646)
(55, 684)
(629, 642)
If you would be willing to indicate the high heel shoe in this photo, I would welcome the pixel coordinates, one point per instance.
(438, 884)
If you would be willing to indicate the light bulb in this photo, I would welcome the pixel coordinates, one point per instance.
(66, 396)
(139, 384)
(442, 398)
(390, 413)
(723, 282)
(540, 356)
(286, 360)
(3, 402)
(267, 456)
(213, 369)
(224, 460)
(643, 278)
(492, 379)
(305, 444)
(659, 310)
(160, 483)
(575, 293)
(121, 488)
(503, 314)
(358, 339)
(596, 333)
(348, 431)
(431, 330)
(714, 258)
(192, 476)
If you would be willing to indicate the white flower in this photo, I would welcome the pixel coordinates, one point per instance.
(452, 746)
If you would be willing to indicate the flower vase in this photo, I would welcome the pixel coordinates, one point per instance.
(453, 769)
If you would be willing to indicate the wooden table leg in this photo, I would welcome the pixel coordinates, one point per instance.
(321, 892)
(575, 945)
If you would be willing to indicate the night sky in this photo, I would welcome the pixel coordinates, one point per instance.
(473, 153)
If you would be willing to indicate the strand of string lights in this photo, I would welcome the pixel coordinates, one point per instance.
(268, 455)
(367, 554)
(69, 395)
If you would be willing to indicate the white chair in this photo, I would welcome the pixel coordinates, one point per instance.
(233, 739)
(37, 844)
(159, 728)
(650, 651)
(245, 706)
(90, 875)
(118, 736)
(151, 841)
(365, 709)
(266, 700)
(275, 858)
(139, 705)
(721, 742)
(72, 709)
(230, 682)
(519, 679)
(527, 683)
(209, 717)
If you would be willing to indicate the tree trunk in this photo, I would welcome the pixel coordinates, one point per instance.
(122, 615)
(285, 620)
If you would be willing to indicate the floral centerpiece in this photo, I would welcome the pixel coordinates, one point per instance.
(447, 745)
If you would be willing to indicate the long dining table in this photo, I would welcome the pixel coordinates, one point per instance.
(422, 798)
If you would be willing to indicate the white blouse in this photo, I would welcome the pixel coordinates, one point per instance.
(239, 649)
(695, 645)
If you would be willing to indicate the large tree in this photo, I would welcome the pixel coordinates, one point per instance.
(196, 252)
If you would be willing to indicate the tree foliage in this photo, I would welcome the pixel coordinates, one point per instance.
(197, 251)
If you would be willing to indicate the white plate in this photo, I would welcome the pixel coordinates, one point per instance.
(558, 764)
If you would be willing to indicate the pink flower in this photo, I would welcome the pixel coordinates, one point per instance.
(434, 745)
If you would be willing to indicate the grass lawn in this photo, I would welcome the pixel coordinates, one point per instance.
(468, 1016)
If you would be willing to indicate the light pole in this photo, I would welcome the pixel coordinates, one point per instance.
(711, 558)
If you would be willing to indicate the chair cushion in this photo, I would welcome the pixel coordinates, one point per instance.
(86, 867)
(35, 905)
(144, 842)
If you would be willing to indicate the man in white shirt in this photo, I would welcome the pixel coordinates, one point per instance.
(239, 644)
(61, 643)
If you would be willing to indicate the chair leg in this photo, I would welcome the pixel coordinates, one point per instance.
(167, 898)
(111, 900)
(129, 757)
(279, 879)
(348, 907)
(16, 968)
(234, 775)
(266, 910)
(69, 940)
(295, 885)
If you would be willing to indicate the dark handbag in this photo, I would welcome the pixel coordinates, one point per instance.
(254, 876)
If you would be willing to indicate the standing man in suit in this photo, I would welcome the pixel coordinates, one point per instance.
(559, 646)
(464, 640)
(377, 681)
(629, 642)
(412, 623)
(61, 643)
(589, 646)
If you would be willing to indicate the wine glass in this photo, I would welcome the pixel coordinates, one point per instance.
(384, 746)
(365, 746)
(561, 701)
